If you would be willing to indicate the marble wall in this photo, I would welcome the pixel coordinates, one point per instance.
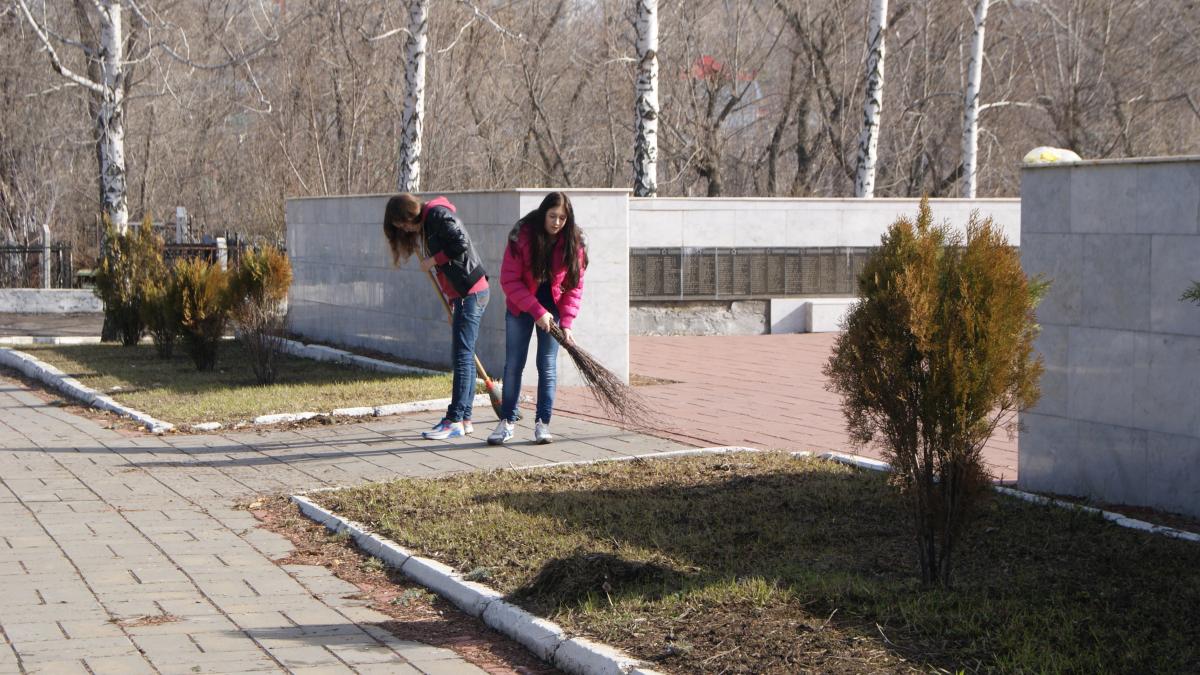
(347, 292)
(751, 223)
(1119, 418)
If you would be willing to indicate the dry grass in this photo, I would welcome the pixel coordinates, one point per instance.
(762, 563)
(174, 391)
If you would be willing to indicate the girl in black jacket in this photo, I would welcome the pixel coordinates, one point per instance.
(431, 230)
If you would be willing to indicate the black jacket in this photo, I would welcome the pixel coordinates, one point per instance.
(444, 234)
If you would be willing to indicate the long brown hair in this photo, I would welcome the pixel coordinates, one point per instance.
(541, 245)
(402, 208)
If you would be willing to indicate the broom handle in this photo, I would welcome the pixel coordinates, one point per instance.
(450, 320)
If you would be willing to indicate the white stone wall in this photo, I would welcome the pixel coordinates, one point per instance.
(49, 301)
(703, 223)
(783, 223)
(1119, 418)
(346, 291)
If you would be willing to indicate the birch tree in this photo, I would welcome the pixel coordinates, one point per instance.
(970, 137)
(645, 153)
(108, 87)
(414, 97)
(868, 140)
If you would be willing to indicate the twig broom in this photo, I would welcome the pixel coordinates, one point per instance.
(618, 400)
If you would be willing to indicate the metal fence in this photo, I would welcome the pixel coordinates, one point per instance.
(21, 266)
(208, 252)
(744, 273)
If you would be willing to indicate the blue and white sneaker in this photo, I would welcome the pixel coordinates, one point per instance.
(502, 434)
(443, 430)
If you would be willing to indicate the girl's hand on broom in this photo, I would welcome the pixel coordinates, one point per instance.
(567, 337)
(428, 264)
(545, 321)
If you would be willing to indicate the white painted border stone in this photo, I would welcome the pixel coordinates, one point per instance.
(544, 638)
(1117, 518)
(50, 340)
(323, 353)
(41, 371)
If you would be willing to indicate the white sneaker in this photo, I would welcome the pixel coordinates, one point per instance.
(443, 430)
(541, 433)
(502, 434)
(468, 428)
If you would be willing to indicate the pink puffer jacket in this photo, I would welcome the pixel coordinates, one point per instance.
(520, 288)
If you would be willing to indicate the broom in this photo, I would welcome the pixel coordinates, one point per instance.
(617, 399)
(495, 394)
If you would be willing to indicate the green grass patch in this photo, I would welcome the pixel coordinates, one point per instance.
(174, 391)
(765, 563)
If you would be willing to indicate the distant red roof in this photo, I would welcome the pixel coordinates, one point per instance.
(707, 67)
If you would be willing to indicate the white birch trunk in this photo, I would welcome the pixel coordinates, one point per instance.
(110, 122)
(970, 138)
(645, 149)
(414, 98)
(868, 141)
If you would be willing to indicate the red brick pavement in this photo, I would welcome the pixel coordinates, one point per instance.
(763, 391)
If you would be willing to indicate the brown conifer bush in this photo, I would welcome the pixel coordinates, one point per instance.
(258, 290)
(159, 301)
(937, 355)
(127, 261)
(203, 295)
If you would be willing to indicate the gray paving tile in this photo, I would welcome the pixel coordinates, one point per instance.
(97, 527)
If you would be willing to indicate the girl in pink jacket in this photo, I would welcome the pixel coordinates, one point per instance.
(542, 278)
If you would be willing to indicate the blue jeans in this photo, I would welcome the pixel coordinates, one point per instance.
(517, 331)
(464, 331)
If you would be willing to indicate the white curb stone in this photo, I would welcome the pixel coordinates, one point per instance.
(284, 417)
(323, 353)
(423, 406)
(49, 375)
(468, 596)
(207, 426)
(854, 460)
(361, 411)
(49, 340)
(580, 655)
(1116, 518)
(544, 638)
(654, 455)
(536, 634)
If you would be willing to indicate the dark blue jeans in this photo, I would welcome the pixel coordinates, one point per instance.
(464, 331)
(517, 332)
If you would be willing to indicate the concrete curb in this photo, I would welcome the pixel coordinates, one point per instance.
(544, 638)
(1116, 518)
(50, 340)
(323, 353)
(369, 411)
(43, 372)
(655, 455)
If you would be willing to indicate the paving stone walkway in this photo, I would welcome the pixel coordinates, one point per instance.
(101, 532)
(764, 391)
